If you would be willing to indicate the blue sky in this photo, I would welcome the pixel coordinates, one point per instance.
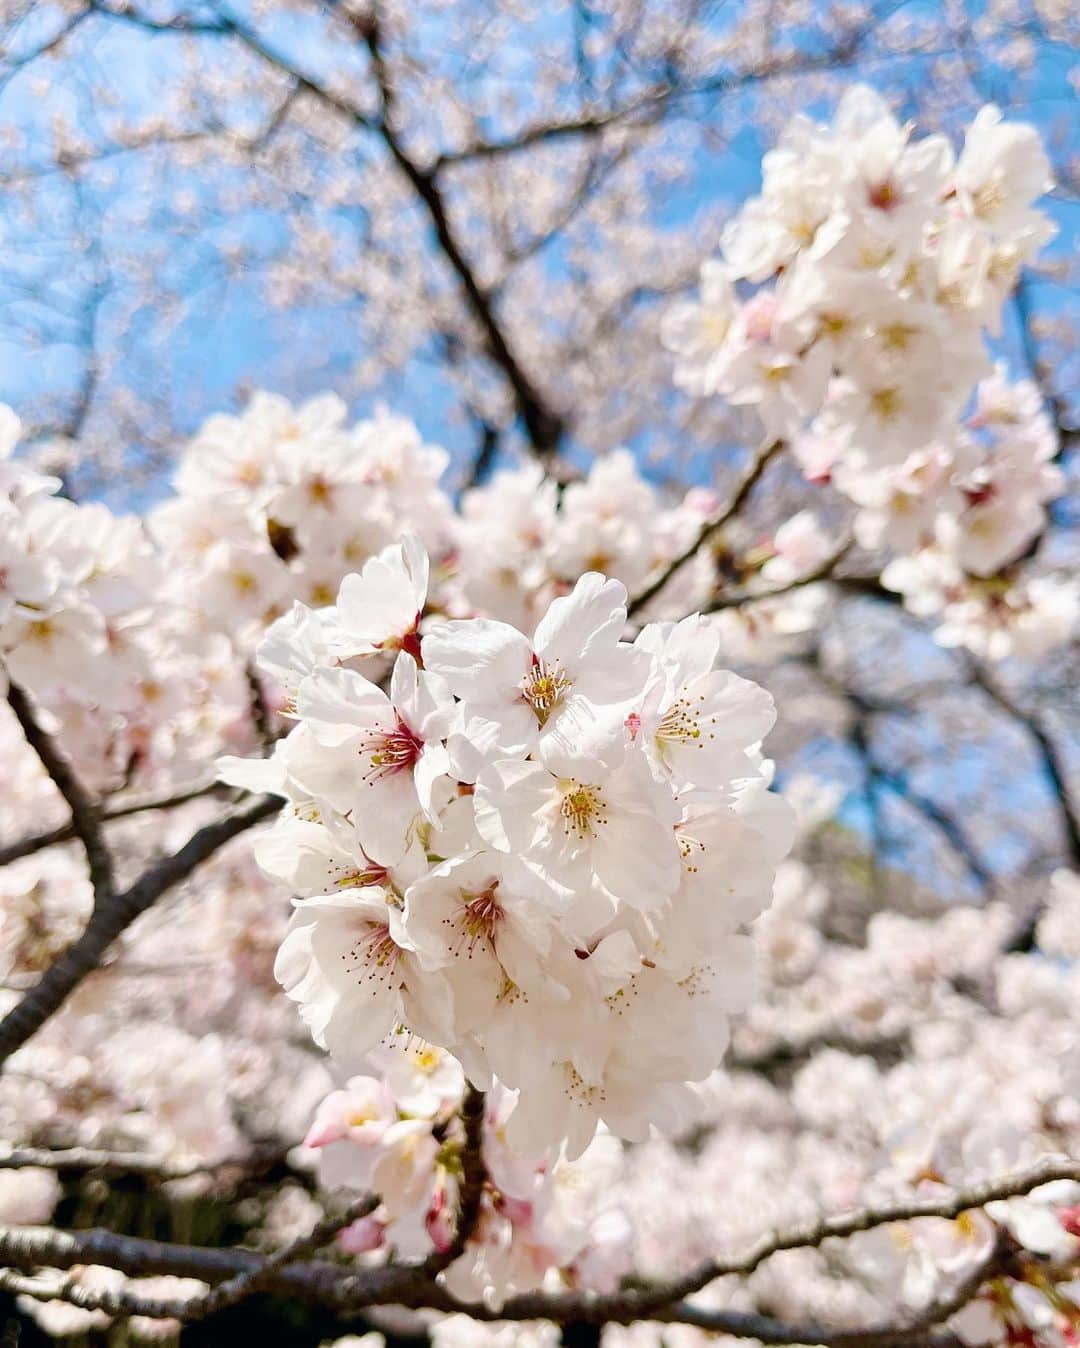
(229, 338)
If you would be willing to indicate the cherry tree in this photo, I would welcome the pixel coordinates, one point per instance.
(612, 901)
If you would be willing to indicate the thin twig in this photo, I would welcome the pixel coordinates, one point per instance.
(708, 529)
(94, 1161)
(542, 423)
(123, 807)
(642, 1303)
(242, 1285)
(1053, 761)
(736, 598)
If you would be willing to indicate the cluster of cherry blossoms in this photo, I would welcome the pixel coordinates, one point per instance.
(281, 503)
(399, 1134)
(133, 687)
(879, 264)
(868, 1073)
(535, 852)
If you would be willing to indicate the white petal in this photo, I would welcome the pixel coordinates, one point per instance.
(482, 660)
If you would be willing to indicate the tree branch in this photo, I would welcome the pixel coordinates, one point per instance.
(111, 917)
(736, 598)
(648, 106)
(28, 1248)
(77, 1161)
(707, 530)
(1053, 761)
(247, 1283)
(121, 808)
(542, 424)
(482, 461)
(642, 1303)
(473, 1179)
(85, 811)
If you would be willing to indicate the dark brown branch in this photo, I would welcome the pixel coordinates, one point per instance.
(877, 774)
(917, 1330)
(181, 24)
(542, 424)
(111, 917)
(473, 1179)
(10, 68)
(121, 808)
(867, 587)
(242, 1285)
(1040, 375)
(782, 1054)
(736, 1324)
(85, 811)
(810, 1235)
(261, 718)
(79, 1161)
(480, 467)
(736, 598)
(646, 107)
(29, 1248)
(1053, 761)
(708, 529)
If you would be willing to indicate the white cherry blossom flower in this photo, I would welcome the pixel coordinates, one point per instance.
(380, 609)
(563, 696)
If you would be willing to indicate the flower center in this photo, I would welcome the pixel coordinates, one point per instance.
(577, 1090)
(543, 688)
(364, 877)
(886, 403)
(390, 751)
(898, 336)
(426, 1060)
(582, 808)
(374, 955)
(683, 721)
(477, 919)
(884, 196)
(989, 198)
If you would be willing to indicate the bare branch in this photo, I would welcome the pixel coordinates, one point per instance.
(1053, 761)
(709, 529)
(914, 1331)
(645, 108)
(114, 915)
(643, 1303)
(781, 1054)
(542, 424)
(261, 718)
(736, 598)
(77, 1161)
(85, 811)
(483, 459)
(243, 1285)
(180, 24)
(121, 808)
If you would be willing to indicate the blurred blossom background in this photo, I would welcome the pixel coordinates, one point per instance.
(479, 215)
